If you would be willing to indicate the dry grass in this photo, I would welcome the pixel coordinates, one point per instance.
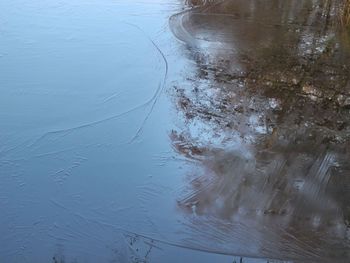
(345, 14)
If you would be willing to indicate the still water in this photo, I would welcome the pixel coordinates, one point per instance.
(174, 131)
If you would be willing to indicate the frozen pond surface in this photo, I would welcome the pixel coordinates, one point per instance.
(135, 131)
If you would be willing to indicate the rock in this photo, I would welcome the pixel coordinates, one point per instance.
(347, 103)
(312, 92)
(341, 125)
(343, 101)
(274, 104)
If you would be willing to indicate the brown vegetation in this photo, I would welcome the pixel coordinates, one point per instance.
(345, 14)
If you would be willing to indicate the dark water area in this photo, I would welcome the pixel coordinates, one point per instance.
(174, 131)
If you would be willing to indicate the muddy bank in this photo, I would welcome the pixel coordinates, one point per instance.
(266, 115)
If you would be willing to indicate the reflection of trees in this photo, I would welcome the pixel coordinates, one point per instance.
(267, 116)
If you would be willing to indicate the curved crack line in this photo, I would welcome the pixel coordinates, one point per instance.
(151, 101)
(161, 86)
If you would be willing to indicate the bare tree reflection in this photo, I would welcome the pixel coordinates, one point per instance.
(266, 116)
